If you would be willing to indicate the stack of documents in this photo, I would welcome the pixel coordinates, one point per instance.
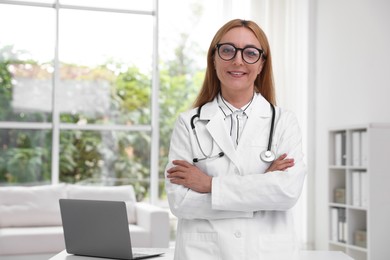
(359, 188)
(359, 148)
(340, 149)
(339, 231)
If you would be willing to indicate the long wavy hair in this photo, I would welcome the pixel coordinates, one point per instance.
(264, 83)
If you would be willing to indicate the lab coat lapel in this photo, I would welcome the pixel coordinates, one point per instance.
(218, 131)
(257, 124)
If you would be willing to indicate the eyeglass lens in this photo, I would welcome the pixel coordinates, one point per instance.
(249, 54)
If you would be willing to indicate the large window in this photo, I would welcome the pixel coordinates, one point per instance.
(76, 90)
(90, 90)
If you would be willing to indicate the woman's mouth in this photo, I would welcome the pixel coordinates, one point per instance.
(236, 73)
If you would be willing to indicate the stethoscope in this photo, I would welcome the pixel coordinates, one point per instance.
(266, 156)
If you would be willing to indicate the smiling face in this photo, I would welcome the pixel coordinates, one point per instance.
(236, 76)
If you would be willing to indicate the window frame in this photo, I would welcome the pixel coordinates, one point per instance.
(56, 126)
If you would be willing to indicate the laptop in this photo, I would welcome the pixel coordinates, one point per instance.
(99, 228)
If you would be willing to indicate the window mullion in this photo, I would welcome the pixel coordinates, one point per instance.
(56, 116)
(154, 151)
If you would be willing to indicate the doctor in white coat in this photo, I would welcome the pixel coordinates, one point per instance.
(231, 204)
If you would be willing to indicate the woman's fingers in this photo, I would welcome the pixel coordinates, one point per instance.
(180, 166)
(181, 163)
(282, 157)
(185, 174)
(282, 163)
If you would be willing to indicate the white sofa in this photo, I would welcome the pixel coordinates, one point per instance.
(30, 219)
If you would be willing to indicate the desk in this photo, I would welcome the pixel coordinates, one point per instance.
(63, 255)
(303, 255)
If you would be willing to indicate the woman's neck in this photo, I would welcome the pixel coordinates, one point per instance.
(237, 99)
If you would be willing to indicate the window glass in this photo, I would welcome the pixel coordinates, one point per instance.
(106, 158)
(143, 5)
(26, 63)
(183, 53)
(25, 156)
(105, 67)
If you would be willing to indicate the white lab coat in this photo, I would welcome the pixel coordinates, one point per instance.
(248, 213)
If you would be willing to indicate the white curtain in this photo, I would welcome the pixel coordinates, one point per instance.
(286, 23)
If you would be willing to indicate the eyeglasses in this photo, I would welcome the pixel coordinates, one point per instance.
(250, 55)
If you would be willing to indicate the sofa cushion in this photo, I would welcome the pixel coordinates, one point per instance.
(119, 193)
(31, 240)
(140, 237)
(31, 206)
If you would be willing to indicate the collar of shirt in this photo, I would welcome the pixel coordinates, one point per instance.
(235, 118)
(228, 109)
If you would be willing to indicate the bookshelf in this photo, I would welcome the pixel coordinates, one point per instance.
(359, 191)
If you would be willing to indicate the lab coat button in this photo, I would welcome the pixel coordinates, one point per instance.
(237, 234)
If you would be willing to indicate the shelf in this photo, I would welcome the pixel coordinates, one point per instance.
(340, 205)
(358, 181)
(347, 167)
(357, 248)
(338, 167)
(348, 246)
(340, 244)
(337, 205)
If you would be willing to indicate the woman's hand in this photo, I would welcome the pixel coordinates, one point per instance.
(281, 164)
(189, 176)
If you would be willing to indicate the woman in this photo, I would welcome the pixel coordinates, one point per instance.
(231, 204)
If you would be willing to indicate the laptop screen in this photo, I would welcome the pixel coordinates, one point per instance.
(96, 228)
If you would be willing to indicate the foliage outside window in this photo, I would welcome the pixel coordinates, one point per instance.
(88, 156)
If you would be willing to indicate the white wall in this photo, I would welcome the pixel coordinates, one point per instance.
(349, 81)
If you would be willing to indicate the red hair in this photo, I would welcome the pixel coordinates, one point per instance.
(264, 83)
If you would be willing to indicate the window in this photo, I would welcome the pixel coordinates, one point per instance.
(81, 94)
(76, 88)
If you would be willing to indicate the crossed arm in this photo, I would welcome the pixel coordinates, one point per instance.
(188, 175)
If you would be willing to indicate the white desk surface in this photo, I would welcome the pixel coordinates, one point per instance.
(63, 255)
(303, 255)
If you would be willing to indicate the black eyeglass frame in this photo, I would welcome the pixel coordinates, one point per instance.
(242, 52)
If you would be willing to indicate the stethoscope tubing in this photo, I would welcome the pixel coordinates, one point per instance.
(269, 156)
(209, 156)
(271, 131)
(266, 156)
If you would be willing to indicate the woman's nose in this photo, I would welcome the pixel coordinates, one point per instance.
(238, 57)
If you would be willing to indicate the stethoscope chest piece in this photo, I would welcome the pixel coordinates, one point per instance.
(267, 156)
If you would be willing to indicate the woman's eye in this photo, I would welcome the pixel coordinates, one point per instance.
(252, 53)
(228, 50)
